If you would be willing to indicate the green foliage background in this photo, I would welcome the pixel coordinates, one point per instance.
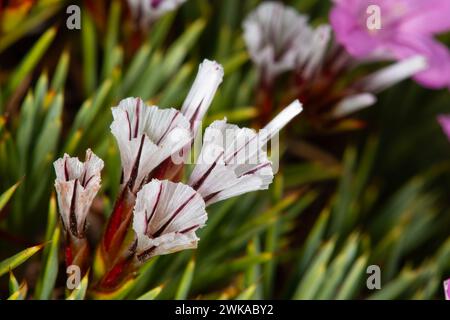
(377, 195)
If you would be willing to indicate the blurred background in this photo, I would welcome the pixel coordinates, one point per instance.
(369, 188)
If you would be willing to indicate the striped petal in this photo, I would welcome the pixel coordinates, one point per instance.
(76, 185)
(233, 160)
(271, 33)
(166, 216)
(146, 137)
(208, 79)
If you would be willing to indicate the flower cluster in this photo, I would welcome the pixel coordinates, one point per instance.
(163, 212)
(281, 40)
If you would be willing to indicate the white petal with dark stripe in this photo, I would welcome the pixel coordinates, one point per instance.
(146, 136)
(233, 160)
(166, 216)
(272, 33)
(208, 79)
(76, 185)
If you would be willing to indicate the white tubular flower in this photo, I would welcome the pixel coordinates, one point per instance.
(146, 136)
(313, 49)
(208, 79)
(76, 185)
(272, 32)
(393, 74)
(148, 11)
(353, 103)
(166, 216)
(447, 289)
(232, 160)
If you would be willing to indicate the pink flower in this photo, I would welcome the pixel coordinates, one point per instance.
(407, 28)
(447, 289)
(444, 121)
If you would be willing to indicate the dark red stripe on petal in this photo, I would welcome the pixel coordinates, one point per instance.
(227, 161)
(189, 229)
(202, 179)
(135, 169)
(129, 125)
(149, 219)
(88, 180)
(72, 215)
(254, 170)
(210, 196)
(144, 255)
(168, 128)
(136, 128)
(195, 115)
(174, 215)
(66, 171)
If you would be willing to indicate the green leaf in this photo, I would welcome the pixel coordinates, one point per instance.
(80, 292)
(338, 268)
(89, 46)
(353, 280)
(314, 239)
(118, 294)
(16, 260)
(152, 294)
(111, 38)
(48, 279)
(30, 61)
(247, 294)
(60, 75)
(20, 293)
(6, 196)
(13, 283)
(185, 282)
(315, 274)
(28, 24)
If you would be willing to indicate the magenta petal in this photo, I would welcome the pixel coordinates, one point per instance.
(350, 34)
(444, 121)
(437, 74)
(427, 17)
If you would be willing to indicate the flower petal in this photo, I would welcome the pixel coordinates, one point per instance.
(77, 184)
(146, 137)
(166, 216)
(208, 79)
(271, 33)
(233, 161)
(444, 121)
(148, 11)
(391, 75)
(437, 55)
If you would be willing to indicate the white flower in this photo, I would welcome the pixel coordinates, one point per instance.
(272, 32)
(148, 11)
(392, 74)
(195, 106)
(76, 185)
(197, 102)
(146, 136)
(447, 289)
(353, 103)
(312, 51)
(166, 216)
(232, 160)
